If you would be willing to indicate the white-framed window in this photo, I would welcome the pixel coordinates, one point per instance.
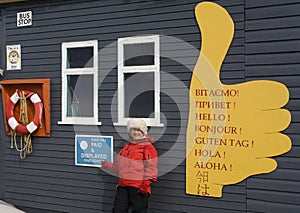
(80, 83)
(139, 79)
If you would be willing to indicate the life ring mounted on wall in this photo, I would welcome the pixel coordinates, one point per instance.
(38, 108)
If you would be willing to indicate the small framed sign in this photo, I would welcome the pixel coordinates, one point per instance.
(13, 57)
(91, 150)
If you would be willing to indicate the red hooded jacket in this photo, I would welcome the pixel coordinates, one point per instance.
(137, 162)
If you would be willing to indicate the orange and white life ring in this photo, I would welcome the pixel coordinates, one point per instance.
(38, 108)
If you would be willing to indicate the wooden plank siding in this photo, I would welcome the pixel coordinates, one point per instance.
(272, 51)
(2, 130)
(265, 44)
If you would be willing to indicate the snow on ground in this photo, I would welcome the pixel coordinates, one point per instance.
(8, 208)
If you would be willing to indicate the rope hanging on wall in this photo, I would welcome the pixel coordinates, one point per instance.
(25, 139)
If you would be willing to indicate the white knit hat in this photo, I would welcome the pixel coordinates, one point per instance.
(138, 124)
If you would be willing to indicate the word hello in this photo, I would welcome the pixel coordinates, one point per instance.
(211, 117)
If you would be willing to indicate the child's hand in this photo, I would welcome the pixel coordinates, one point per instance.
(105, 164)
(143, 189)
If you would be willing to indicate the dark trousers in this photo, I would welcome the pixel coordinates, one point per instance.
(127, 197)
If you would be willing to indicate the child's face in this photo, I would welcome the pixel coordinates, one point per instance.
(136, 134)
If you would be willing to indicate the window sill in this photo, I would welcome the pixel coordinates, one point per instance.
(79, 123)
(150, 125)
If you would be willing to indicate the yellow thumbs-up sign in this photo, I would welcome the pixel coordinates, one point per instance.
(233, 130)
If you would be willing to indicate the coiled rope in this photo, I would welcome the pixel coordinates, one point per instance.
(23, 118)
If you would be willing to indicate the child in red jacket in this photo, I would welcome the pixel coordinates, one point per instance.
(136, 169)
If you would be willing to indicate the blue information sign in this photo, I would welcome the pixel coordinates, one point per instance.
(90, 150)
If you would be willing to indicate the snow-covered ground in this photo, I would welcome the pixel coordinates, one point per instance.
(8, 208)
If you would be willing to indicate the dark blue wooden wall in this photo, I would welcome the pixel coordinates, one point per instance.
(272, 51)
(265, 46)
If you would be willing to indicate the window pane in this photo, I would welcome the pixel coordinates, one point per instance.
(80, 96)
(139, 54)
(80, 57)
(139, 95)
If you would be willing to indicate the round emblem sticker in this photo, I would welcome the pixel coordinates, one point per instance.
(13, 57)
